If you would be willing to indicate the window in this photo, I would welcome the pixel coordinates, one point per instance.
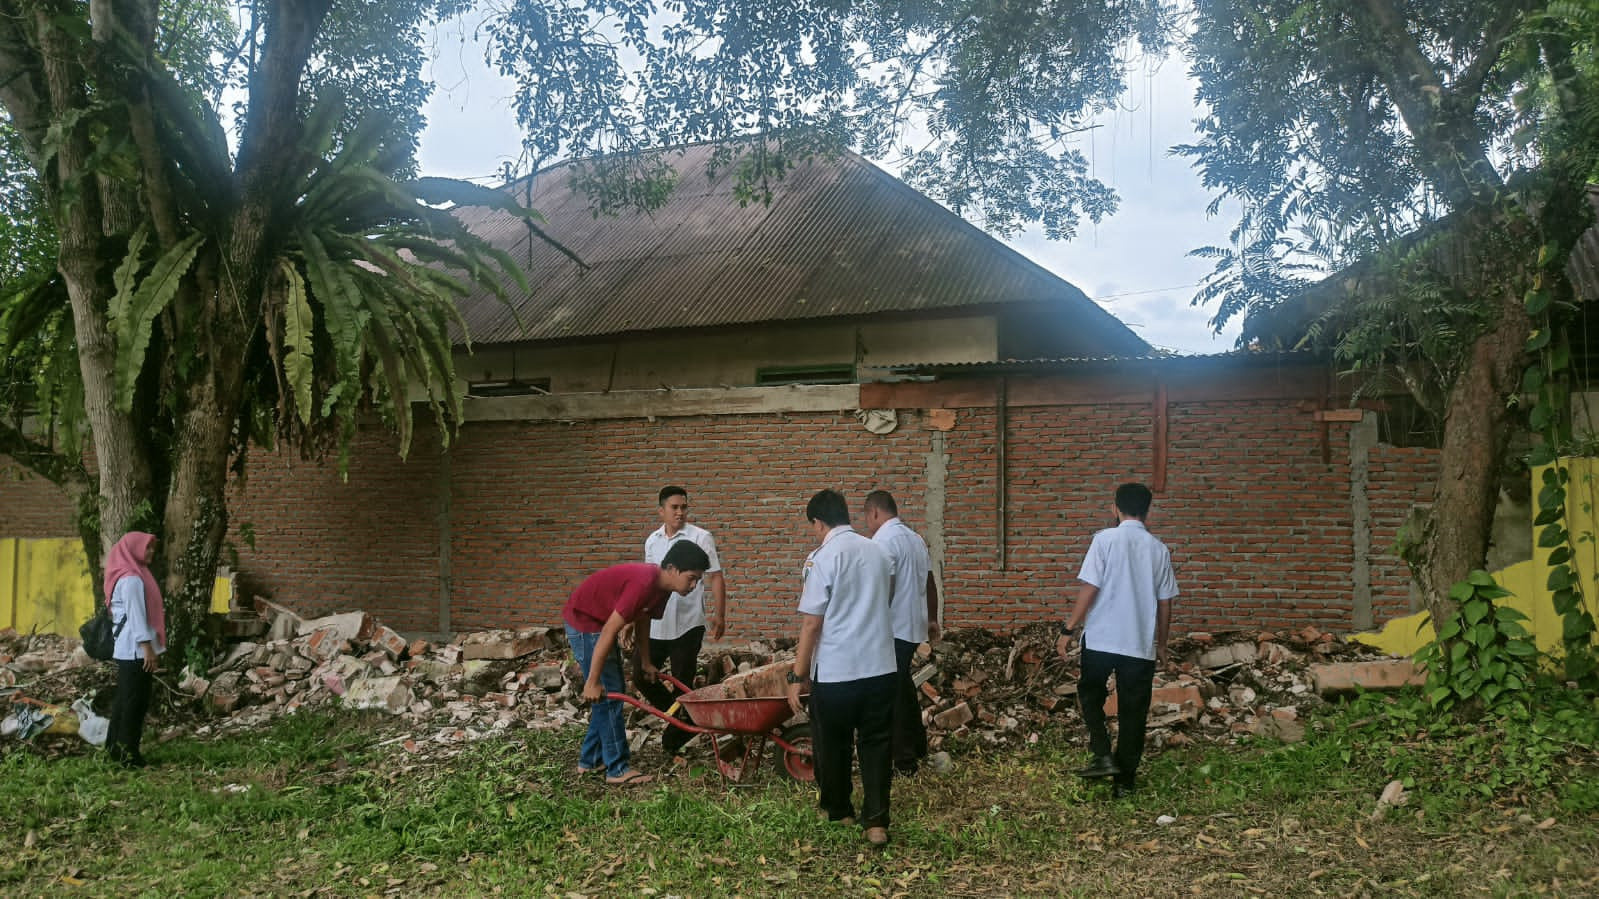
(805, 374)
(512, 387)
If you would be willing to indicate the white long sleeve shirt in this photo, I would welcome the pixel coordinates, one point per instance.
(127, 603)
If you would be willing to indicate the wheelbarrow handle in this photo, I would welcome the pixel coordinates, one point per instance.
(669, 719)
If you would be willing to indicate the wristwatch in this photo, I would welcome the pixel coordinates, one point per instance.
(793, 678)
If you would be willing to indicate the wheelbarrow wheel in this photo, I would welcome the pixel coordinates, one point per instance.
(800, 766)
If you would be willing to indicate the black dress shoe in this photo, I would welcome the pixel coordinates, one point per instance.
(1101, 766)
(1122, 791)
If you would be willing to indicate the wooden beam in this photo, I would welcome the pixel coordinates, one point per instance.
(666, 403)
(1161, 405)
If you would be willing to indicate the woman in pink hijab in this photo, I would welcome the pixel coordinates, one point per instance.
(140, 620)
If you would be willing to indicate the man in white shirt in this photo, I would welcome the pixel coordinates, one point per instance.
(677, 635)
(846, 654)
(915, 614)
(1124, 611)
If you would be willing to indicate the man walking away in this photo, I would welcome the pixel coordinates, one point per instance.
(1123, 611)
(846, 653)
(915, 614)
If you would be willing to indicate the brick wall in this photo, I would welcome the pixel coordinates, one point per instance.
(1257, 511)
(30, 506)
(1399, 478)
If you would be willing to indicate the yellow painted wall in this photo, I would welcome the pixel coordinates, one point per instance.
(1526, 581)
(45, 588)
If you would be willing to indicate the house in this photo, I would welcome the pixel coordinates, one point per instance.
(846, 268)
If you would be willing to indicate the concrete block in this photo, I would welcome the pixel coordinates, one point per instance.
(1382, 674)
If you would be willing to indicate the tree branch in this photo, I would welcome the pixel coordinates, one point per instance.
(22, 91)
(272, 125)
(1453, 151)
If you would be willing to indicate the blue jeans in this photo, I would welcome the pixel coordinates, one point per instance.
(606, 740)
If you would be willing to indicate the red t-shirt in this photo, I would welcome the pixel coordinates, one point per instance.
(628, 590)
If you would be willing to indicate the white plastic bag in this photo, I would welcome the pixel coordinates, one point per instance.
(91, 727)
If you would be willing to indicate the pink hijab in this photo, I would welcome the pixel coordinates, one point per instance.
(128, 559)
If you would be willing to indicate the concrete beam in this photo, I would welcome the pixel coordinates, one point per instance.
(666, 403)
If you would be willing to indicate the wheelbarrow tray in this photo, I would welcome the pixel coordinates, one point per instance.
(710, 708)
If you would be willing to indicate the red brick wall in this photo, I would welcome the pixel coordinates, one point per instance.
(1256, 510)
(324, 545)
(1399, 478)
(536, 507)
(30, 506)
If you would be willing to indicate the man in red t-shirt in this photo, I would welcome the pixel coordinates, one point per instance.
(595, 614)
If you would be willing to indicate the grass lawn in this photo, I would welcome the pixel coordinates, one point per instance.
(330, 805)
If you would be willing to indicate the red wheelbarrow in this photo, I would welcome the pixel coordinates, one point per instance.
(747, 723)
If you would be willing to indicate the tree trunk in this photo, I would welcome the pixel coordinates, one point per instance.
(1477, 429)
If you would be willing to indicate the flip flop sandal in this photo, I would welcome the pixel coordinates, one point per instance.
(584, 772)
(630, 779)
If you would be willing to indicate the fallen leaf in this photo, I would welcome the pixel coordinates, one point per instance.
(1545, 824)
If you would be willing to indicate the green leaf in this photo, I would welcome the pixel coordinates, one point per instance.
(1521, 649)
(1438, 695)
(1537, 301)
(1559, 578)
(1451, 628)
(1475, 611)
(1560, 556)
(299, 324)
(1457, 654)
(1461, 591)
(126, 278)
(153, 294)
(1540, 455)
(1538, 340)
(1551, 496)
(1481, 578)
(1573, 628)
(1484, 635)
(1532, 379)
(1551, 536)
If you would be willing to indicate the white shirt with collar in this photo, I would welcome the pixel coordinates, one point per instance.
(847, 584)
(684, 612)
(908, 551)
(127, 610)
(1133, 572)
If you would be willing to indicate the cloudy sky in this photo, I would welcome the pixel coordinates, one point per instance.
(1135, 263)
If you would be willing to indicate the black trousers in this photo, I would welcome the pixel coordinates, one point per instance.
(1135, 679)
(910, 735)
(849, 719)
(128, 708)
(682, 656)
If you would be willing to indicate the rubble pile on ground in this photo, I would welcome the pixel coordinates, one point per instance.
(972, 683)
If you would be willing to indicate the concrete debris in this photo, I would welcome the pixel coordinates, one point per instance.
(997, 689)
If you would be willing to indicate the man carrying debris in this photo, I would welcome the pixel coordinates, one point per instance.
(915, 615)
(595, 614)
(675, 637)
(1124, 612)
(846, 654)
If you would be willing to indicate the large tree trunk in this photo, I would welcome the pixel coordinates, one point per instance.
(1477, 427)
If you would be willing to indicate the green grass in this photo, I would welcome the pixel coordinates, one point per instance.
(328, 805)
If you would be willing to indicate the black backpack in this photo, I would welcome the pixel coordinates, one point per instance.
(99, 635)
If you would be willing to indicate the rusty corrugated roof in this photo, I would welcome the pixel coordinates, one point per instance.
(841, 238)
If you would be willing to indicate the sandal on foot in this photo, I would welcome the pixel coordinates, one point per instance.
(584, 772)
(877, 836)
(630, 779)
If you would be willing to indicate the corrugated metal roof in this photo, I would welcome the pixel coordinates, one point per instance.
(841, 238)
(1234, 358)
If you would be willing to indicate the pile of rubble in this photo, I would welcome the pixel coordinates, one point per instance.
(974, 683)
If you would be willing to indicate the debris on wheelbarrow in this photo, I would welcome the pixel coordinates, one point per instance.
(746, 722)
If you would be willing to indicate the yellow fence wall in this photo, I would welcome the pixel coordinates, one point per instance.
(1527, 581)
(45, 588)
